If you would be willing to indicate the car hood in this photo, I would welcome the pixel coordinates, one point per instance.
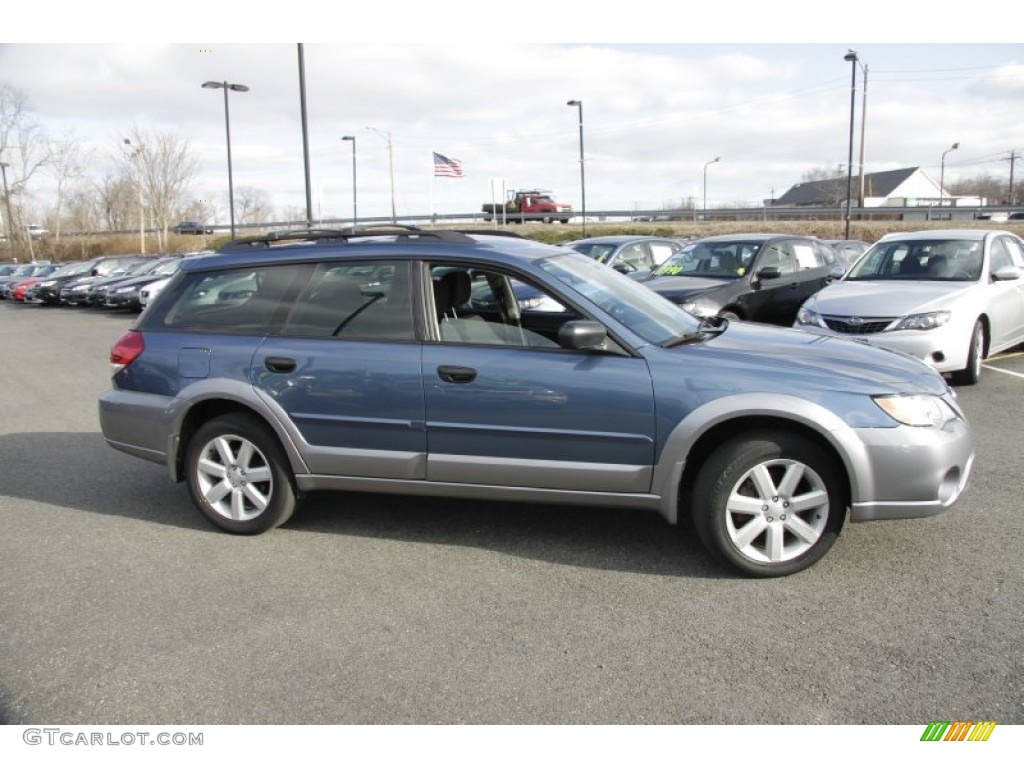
(887, 298)
(684, 287)
(757, 357)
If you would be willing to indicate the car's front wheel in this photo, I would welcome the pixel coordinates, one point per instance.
(769, 504)
(975, 355)
(238, 475)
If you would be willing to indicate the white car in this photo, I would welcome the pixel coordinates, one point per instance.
(948, 297)
(37, 232)
(151, 291)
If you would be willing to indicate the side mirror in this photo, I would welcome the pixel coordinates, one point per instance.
(582, 334)
(769, 273)
(623, 267)
(1007, 272)
(837, 272)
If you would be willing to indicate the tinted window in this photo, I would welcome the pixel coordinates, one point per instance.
(355, 301)
(229, 301)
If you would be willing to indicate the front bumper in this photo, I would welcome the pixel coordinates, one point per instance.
(909, 472)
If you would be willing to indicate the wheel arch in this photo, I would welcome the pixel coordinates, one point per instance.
(202, 410)
(693, 440)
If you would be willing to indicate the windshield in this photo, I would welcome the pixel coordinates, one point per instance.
(947, 260)
(722, 260)
(597, 251)
(645, 313)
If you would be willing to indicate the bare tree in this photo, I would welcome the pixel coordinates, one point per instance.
(252, 205)
(23, 147)
(68, 162)
(166, 165)
(116, 199)
(987, 186)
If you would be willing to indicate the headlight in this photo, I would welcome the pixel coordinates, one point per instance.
(46, 283)
(922, 322)
(700, 307)
(916, 410)
(809, 317)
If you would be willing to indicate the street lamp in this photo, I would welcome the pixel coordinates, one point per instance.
(391, 166)
(942, 173)
(583, 184)
(136, 155)
(353, 140)
(851, 56)
(226, 86)
(7, 203)
(709, 162)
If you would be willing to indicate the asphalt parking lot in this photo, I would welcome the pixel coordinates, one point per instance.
(119, 604)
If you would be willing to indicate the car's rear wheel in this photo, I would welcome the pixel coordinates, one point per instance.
(238, 475)
(769, 504)
(975, 355)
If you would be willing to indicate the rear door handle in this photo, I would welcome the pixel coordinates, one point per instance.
(279, 364)
(456, 374)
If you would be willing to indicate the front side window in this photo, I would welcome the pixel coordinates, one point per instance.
(648, 315)
(476, 305)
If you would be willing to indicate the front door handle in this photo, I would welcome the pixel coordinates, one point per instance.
(456, 374)
(279, 364)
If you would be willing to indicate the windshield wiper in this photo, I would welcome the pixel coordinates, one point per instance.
(708, 326)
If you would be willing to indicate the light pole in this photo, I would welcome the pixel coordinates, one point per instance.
(709, 162)
(226, 86)
(391, 167)
(863, 130)
(942, 173)
(583, 183)
(353, 140)
(7, 203)
(851, 56)
(136, 154)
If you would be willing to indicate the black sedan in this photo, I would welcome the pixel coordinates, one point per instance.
(760, 277)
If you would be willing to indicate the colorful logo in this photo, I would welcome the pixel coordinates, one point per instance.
(958, 730)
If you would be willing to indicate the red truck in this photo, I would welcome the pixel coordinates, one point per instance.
(528, 205)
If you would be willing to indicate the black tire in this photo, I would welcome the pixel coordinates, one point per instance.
(976, 353)
(238, 475)
(564, 221)
(748, 519)
(729, 314)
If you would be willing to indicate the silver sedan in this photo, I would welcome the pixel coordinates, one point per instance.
(948, 297)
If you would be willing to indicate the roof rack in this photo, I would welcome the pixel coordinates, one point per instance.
(399, 231)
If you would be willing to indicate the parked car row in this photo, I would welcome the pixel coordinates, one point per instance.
(105, 281)
(948, 297)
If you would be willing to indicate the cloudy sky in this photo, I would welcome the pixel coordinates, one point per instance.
(769, 97)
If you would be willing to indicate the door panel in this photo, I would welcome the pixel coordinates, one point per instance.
(552, 419)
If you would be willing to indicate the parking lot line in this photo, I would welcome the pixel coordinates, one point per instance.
(1003, 370)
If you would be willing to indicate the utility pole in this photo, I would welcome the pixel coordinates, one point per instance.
(1012, 158)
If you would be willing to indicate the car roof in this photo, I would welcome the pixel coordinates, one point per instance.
(943, 234)
(402, 243)
(758, 237)
(616, 239)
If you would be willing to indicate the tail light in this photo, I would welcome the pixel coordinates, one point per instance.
(126, 349)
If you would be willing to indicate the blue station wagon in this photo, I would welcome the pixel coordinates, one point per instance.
(400, 360)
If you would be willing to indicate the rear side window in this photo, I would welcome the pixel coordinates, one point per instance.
(245, 300)
(369, 300)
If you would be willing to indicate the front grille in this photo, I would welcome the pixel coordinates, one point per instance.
(862, 326)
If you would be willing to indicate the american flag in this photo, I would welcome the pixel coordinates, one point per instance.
(446, 166)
